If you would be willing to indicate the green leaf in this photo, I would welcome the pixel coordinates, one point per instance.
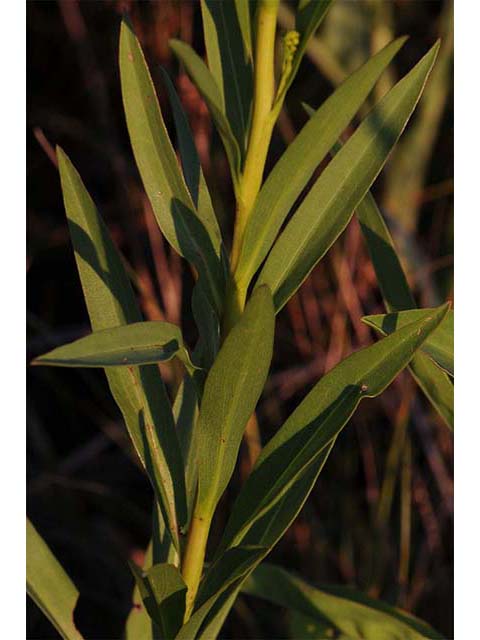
(388, 269)
(296, 166)
(439, 345)
(436, 385)
(208, 328)
(185, 412)
(234, 562)
(244, 20)
(308, 18)
(225, 575)
(127, 345)
(192, 169)
(267, 529)
(49, 586)
(161, 176)
(229, 62)
(308, 628)
(204, 313)
(319, 419)
(163, 593)
(266, 532)
(139, 391)
(349, 611)
(329, 205)
(139, 625)
(232, 389)
(210, 92)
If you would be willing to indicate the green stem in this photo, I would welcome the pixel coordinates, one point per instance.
(249, 185)
(193, 560)
(263, 121)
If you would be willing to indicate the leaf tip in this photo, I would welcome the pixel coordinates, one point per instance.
(126, 23)
(173, 43)
(433, 52)
(398, 43)
(60, 153)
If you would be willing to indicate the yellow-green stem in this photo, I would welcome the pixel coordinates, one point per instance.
(193, 560)
(261, 129)
(249, 186)
(262, 122)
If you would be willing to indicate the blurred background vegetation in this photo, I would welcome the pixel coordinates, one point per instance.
(380, 518)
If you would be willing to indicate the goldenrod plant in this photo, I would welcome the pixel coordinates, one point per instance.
(189, 448)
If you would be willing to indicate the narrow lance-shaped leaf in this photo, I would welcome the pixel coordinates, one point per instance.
(329, 205)
(192, 169)
(163, 593)
(208, 327)
(161, 176)
(439, 345)
(307, 628)
(229, 62)
(245, 22)
(185, 412)
(266, 532)
(204, 313)
(160, 550)
(349, 611)
(388, 269)
(138, 391)
(435, 383)
(231, 570)
(139, 623)
(296, 166)
(267, 529)
(132, 344)
(232, 389)
(49, 586)
(206, 84)
(319, 419)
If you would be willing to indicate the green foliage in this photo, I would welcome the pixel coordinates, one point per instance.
(124, 346)
(328, 207)
(439, 345)
(138, 391)
(232, 389)
(162, 590)
(230, 572)
(192, 236)
(293, 170)
(397, 296)
(309, 16)
(49, 586)
(319, 418)
(337, 610)
(226, 27)
(189, 451)
(205, 82)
